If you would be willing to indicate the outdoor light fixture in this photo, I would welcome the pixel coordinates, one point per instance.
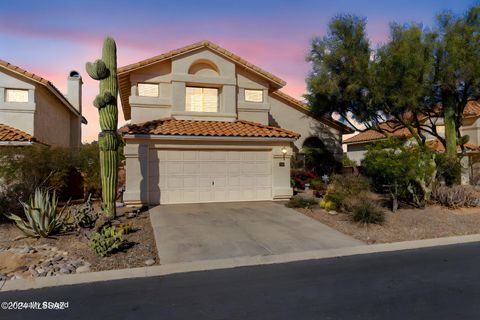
(284, 151)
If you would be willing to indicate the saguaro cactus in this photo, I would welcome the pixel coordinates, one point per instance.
(105, 70)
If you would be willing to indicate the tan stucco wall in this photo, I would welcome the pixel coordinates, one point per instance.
(18, 115)
(284, 116)
(52, 120)
(137, 150)
(472, 128)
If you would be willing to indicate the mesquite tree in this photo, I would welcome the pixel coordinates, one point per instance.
(105, 70)
(418, 76)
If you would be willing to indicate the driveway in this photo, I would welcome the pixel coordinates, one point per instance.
(192, 232)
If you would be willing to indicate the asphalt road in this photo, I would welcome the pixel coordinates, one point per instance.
(434, 283)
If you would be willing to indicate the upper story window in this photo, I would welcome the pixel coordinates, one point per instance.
(253, 95)
(201, 99)
(16, 95)
(148, 89)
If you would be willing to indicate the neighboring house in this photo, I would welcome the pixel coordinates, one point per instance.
(208, 126)
(357, 145)
(33, 110)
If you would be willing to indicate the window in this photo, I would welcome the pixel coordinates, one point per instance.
(148, 89)
(201, 99)
(253, 95)
(16, 95)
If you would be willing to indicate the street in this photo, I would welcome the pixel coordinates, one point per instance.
(432, 283)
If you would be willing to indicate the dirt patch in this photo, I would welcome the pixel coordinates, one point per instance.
(142, 247)
(405, 224)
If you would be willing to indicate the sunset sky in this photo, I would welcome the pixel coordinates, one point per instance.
(50, 38)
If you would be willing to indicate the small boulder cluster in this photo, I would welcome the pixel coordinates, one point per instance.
(52, 262)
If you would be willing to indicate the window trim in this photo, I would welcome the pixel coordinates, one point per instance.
(149, 83)
(203, 87)
(16, 89)
(258, 90)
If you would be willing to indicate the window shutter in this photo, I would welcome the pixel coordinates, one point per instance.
(16, 95)
(148, 89)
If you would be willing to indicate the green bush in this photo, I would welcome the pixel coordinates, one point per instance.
(449, 169)
(107, 241)
(408, 172)
(343, 189)
(368, 212)
(301, 202)
(43, 219)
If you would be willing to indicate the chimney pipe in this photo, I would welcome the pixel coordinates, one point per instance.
(74, 90)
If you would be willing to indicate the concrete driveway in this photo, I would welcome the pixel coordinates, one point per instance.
(192, 232)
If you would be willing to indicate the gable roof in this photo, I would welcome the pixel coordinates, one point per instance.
(44, 82)
(300, 106)
(124, 79)
(239, 128)
(391, 127)
(9, 135)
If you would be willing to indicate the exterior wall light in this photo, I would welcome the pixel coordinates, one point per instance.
(284, 151)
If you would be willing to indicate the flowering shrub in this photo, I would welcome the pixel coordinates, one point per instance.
(300, 177)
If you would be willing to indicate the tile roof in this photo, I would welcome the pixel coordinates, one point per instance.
(304, 108)
(472, 109)
(239, 128)
(436, 145)
(9, 134)
(39, 80)
(391, 128)
(124, 79)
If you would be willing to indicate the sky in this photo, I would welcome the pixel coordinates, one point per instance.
(51, 37)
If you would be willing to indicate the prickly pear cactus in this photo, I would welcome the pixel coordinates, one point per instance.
(105, 70)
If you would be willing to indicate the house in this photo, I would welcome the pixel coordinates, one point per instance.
(33, 110)
(208, 126)
(356, 146)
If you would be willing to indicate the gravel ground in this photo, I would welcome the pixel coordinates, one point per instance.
(141, 239)
(405, 224)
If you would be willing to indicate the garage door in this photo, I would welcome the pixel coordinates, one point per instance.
(193, 176)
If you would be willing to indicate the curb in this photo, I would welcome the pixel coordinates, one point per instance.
(204, 265)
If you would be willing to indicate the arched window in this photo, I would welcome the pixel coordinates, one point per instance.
(204, 68)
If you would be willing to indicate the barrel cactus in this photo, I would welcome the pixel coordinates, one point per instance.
(105, 70)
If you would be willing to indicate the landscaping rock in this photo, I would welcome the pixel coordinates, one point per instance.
(150, 262)
(332, 212)
(57, 258)
(64, 271)
(83, 269)
(34, 273)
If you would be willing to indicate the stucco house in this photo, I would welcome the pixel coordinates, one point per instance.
(356, 146)
(33, 110)
(208, 126)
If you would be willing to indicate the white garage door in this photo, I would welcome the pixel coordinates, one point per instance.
(193, 176)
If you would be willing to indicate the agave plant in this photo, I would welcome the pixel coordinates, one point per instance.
(43, 220)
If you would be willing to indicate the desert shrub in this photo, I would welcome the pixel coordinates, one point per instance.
(317, 184)
(126, 227)
(107, 241)
(408, 172)
(343, 189)
(457, 196)
(84, 215)
(368, 212)
(43, 218)
(301, 177)
(301, 202)
(449, 169)
(89, 164)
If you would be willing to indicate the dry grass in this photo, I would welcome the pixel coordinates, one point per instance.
(405, 224)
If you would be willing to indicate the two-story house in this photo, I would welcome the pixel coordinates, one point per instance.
(33, 110)
(208, 126)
